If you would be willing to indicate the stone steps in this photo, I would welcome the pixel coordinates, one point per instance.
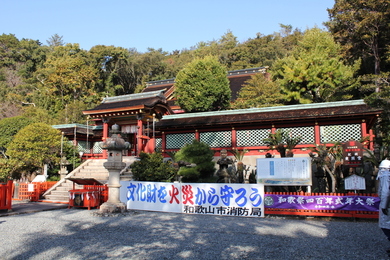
(92, 168)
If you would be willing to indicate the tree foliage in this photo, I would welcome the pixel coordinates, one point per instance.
(201, 155)
(55, 40)
(283, 142)
(151, 167)
(203, 86)
(9, 127)
(314, 71)
(259, 91)
(380, 99)
(363, 29)
(32, 147)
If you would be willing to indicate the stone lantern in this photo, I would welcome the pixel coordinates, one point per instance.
(114, 146)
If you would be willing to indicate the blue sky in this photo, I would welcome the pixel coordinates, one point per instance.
(170, 24)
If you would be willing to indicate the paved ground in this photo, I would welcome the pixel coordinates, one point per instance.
(24, 207)
(39, 230)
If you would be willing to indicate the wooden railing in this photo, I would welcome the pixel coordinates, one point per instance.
(34, 191)
(6, 190)
(322, 213)
(103, 190)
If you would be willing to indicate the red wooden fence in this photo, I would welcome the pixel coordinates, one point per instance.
(103, 189)
(36, 191)
(6, 195)
(322, 213)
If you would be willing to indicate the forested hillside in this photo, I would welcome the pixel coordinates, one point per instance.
(51, 81)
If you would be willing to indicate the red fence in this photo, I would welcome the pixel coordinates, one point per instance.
(6, 195)
(103, 189)
(322, 213)
(34, 191)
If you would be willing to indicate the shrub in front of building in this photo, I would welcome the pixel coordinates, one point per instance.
(199, 154)
(151, 167)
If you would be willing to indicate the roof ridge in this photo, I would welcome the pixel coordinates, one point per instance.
(134, 96)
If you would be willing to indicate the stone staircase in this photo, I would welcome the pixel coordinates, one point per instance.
(91, 168)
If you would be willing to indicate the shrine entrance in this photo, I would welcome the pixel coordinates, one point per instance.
(136, 114)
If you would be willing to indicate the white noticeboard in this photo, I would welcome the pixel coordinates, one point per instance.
(355, 182)
(287, 171)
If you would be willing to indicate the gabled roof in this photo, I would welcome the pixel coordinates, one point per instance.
(131, 105)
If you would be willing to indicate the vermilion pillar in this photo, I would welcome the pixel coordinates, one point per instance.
(234, 137)
(139, 135)
(364, 128)
(273, 129)
(197, 135)
(105, 135)
(317, 134)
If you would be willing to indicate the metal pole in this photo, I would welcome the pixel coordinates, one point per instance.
(89, 151)
(74, 150)
(62, 143)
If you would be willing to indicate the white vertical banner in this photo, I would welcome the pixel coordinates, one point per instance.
(228, 199)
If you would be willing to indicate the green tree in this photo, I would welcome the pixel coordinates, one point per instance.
(39, 115)
(259, 91)
(18, 62)
(67, 76)
(55, 40)
(32, 147)
(203, 86)
(363, 29)
(9, 127)
(264, 50)
(283, 142)
(151, 167)
(377, 88)
(72, 113)
(115, 76)
(201, 155)
(330, 160)
(315, 71)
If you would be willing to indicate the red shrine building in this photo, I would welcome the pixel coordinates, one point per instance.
(151, 120)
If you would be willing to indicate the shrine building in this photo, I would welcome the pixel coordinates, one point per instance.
(151, 120)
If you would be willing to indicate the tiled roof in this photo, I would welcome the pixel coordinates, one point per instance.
(129, 102)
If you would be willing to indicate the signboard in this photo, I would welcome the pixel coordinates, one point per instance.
(228, 199)
(353, 154)
(287, 171)
(30, 187)
(355, 182)
(322, 202)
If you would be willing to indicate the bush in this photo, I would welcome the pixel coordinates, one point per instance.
(200, 154)
(151, 167)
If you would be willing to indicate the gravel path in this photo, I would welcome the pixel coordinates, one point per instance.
(79, 234)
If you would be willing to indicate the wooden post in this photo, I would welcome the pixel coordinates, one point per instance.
(139, 135)
(234, 137)
(317, 134)
(105, 135)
